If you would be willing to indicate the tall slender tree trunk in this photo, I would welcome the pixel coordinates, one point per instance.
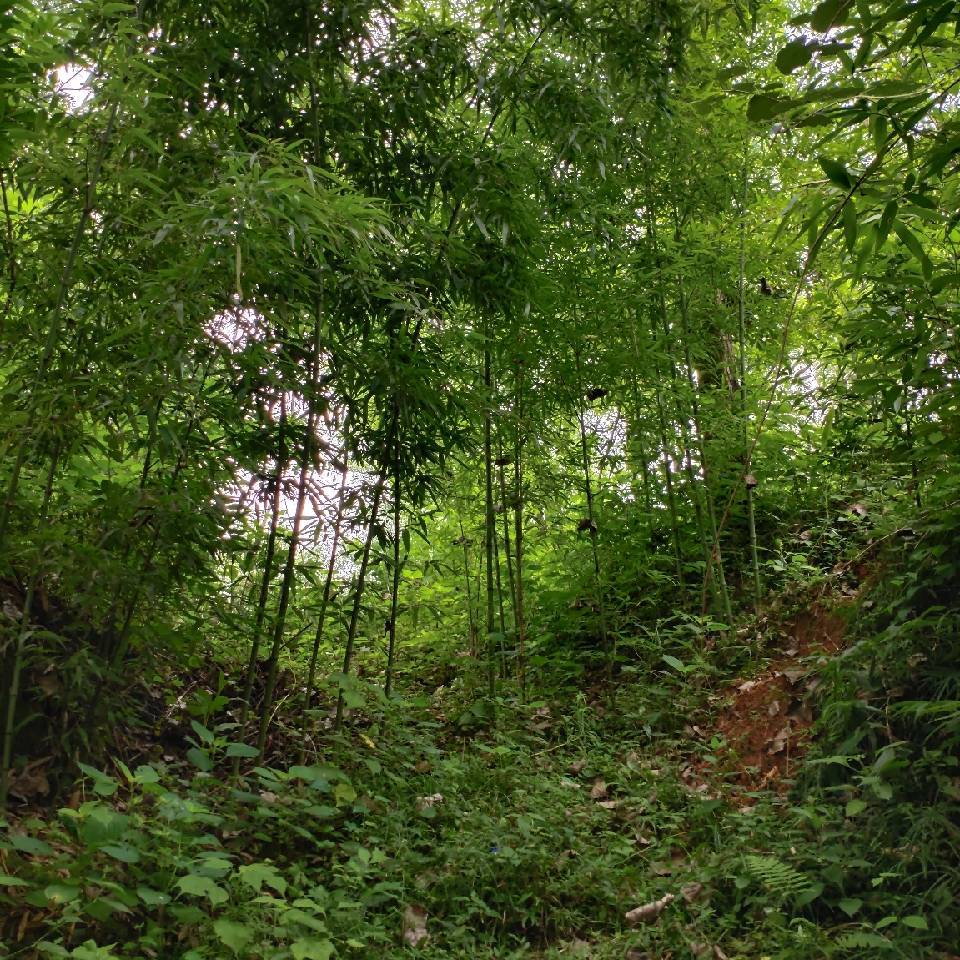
(716, 556)
(592, 522)
(290, 566)
(13, 692)
(489, 518)
(358, 589)
(468, 590)
(518, 535)
(327, 589)
(267, 576)
(395, 581)
(507, 546)
(744, 408)
(642, 453)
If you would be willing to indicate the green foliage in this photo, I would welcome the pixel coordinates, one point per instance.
(415, 417)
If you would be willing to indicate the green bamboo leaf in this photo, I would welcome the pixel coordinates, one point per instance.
(830, 13)
(836, 172)
(850, 225)
(796, 54)
(887, 219)
(912, 243)
(766, 106)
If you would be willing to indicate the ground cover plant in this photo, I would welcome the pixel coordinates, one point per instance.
(479, 480)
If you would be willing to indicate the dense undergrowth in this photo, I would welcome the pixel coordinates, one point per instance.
(532, 830)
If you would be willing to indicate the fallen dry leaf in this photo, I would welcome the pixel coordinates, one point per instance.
(649, 911)
(576, 768)
(425, 803)
(599, 789)
(691, 892)
(31, 781)
(415, 925)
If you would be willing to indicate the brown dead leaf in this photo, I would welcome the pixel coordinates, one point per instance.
(649, 912)
(415, 925)
(782, 738)
(576, 768)
(31, 781)
(422, 766)
(691, 892)
(599, 789)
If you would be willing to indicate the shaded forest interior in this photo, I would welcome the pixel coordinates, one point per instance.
(480, 479)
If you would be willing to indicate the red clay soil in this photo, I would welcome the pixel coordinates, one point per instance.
(765, 720)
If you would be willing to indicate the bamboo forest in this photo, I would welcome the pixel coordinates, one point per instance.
(479, 479)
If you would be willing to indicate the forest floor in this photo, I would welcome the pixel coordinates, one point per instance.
(659, 826)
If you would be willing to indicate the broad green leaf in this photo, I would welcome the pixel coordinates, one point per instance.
(145, 774)
(343, 793)
(31, 845)
(850, 906)
(855, 807)
(674, 662)
(311, 949)
(232, 934)
(200, 886)
(123, 852)
(915, 922)
(153, 898)
(200, 759)
(205, 735)
(104, 785)
(256, 875)
(7, 881)
(242, 750)
(57, 893)
(295, 916)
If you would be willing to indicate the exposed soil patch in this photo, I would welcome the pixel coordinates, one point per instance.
(765, 719)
